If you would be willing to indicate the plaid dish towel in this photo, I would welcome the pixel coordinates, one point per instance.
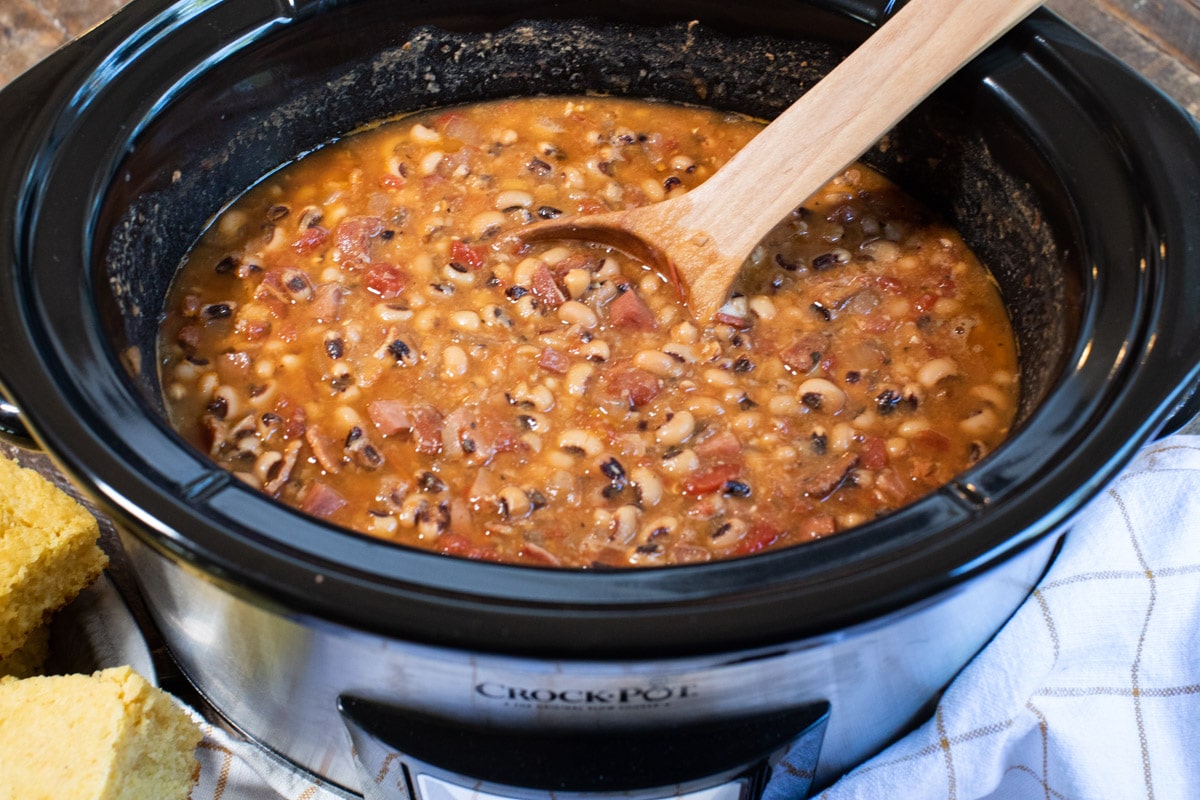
(1091, 691)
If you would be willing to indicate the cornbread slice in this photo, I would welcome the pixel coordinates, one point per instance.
(48, 552)
(30, 658)
(106, 736)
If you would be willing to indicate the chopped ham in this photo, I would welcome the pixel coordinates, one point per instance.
(554, 361)
(723, 448)
(327, 302)
(397, 416)
(327, 453)
(321, 501)
(630, 312)
(635, 386)
(353, 236)
(545, 288)
(825, 480)
(806, 352)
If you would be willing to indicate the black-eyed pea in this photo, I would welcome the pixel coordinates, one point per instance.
(682, 463)
(574, 312)
(719, 378)
(980, 423)
(420, 134)
(523, 273)
(466, 321)
(991, 394)
(678, 428)
(430, 162)
(427, 319)
(911, 427)
(555, 255)
(577, 378)
(897, 446)
(703, 406)
(625, 524)
(581, 442)
(610, 270)
(526, 307)
(649, 486)
(684, 353)
(936, 370)
(513, 502)
(412, 508)
(822, 395)
(577, 282)
(685, 333)
(454, 362)
(783, 405)
(658, 363)
(494, 316)
(383, 525)
(947, 306)
(658, 527)
(762, 306)
(851, 520)
(512, 198)
(840, 437)
(208, 383)
(746, 423)
(653, 190)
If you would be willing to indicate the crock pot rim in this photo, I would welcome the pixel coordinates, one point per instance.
(629, 590)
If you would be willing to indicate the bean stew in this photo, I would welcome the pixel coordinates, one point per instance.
(363, 336)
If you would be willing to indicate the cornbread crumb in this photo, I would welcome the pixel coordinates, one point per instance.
(30, 658)
(48, 552)
(106, 736)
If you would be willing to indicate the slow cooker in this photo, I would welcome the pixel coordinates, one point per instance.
(397, 673)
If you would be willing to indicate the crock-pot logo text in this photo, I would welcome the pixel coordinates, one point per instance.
(618, 697)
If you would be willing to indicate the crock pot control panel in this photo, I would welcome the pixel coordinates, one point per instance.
(403, 754)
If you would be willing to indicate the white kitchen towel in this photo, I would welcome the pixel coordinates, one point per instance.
(1090, 692)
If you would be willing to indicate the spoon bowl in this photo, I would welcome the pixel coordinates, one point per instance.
(701, 239)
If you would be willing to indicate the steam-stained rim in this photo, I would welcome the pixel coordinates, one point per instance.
(1106, 134)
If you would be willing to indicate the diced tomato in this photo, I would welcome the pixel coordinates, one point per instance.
(925, 302)
(630, 312)
(710, 478)
(386, 280)
(947, 286)
(312, 239)
(760, 536)
(471, 257)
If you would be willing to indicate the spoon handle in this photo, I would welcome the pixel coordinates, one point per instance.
(843, 115)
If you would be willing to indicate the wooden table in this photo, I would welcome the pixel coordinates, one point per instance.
(1159, 38)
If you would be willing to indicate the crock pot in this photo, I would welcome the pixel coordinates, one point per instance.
(394, 672)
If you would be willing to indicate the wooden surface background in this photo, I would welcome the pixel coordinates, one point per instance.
(1159, 38)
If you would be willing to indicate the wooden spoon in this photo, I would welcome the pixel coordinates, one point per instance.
(702, 238)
